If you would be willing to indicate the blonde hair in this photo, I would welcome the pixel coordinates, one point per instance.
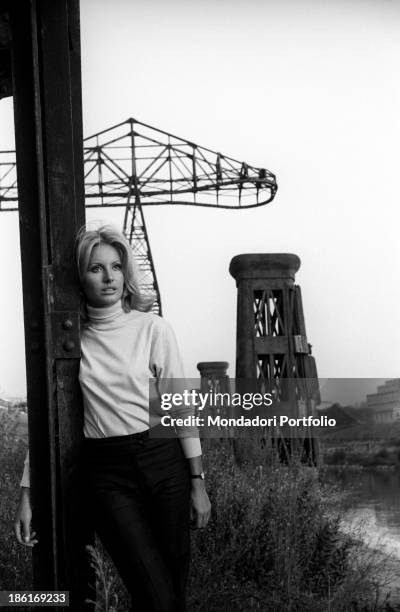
(86, 240)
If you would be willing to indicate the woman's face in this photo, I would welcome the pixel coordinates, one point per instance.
(103, 281)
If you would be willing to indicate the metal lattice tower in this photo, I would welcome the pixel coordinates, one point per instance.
(133, 165)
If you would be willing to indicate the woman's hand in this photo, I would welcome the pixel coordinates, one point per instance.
(23, 518)
(200, 505)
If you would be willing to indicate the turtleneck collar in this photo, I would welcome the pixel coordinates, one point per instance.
(103, 316)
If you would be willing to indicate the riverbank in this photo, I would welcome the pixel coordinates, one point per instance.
(365, 445)
(386, 562)
(369, 501)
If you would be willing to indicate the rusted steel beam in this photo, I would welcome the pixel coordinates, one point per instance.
(48, 131)
(5, 50)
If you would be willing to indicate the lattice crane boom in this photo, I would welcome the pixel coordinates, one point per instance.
(133, 165)
(133, 158)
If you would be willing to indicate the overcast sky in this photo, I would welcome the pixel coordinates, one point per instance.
(307, 89)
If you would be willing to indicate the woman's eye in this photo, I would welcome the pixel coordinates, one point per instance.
(95, 269)
(117, 266)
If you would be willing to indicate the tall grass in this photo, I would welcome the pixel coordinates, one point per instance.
(111, 595)
(15, 560)
(274, 542)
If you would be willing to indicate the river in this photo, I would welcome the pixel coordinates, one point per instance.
(372, 500)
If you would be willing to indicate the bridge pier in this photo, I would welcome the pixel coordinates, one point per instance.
(271, 341)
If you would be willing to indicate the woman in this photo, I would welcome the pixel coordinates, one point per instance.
(143, 490)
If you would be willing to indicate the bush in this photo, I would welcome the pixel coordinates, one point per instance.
(274, 543)
(338, 457)
(15, 560)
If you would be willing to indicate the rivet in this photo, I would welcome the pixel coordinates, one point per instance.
(67, 324)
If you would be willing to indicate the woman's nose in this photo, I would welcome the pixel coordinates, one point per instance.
(108, 275)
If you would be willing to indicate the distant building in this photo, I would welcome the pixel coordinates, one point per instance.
(384, 405)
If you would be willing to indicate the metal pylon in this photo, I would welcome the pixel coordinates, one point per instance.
(136, 232)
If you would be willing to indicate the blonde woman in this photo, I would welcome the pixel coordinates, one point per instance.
(143, 491)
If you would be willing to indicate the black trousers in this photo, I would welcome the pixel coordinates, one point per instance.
(139, 499)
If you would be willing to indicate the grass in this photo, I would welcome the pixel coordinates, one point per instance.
(380, 454)
(274, 542)
(364, 445)
(111, 593)
(15, 560)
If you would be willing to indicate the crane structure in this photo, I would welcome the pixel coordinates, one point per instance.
(133, 165)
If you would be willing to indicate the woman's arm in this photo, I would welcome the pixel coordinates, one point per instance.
(23, 518)
(200, 504)
(167, 364)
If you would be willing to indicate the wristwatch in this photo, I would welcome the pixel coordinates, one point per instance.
(201, 475)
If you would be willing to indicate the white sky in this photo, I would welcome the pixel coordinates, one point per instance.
(308, 89)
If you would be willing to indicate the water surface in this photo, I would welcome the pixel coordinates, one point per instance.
(373, 501)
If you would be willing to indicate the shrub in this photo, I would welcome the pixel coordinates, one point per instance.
(15, 560)
(338, 457)
(274, 542)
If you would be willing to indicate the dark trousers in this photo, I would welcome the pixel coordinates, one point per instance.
(139, 498)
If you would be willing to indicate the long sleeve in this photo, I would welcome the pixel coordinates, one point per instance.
(25, 480)
(166, 363)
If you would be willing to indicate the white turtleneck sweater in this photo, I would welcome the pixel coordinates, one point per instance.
(120, 352)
